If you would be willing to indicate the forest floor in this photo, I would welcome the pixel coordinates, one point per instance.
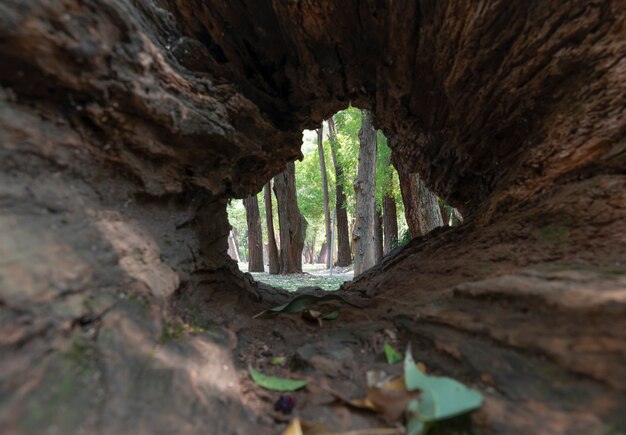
(315, 275)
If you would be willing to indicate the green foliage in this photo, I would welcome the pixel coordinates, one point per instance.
(441, 397)
(393, 356)
(172, 331)
(309, 181)
(403, 240)
(302, 302)
(274, 383)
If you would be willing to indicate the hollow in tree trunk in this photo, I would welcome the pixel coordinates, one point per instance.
(255, 234)
(390, 222)
(344, 253)
(274, 260)
(320, 150)
(292, 223)
(365, 188)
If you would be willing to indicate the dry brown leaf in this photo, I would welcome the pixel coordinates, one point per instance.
(298, 427)
(313, 316)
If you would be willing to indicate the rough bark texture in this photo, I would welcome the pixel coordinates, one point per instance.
(378, 235)
(390, 222)
(292, 223)
(364, 234)
(233, 249)
(421, 207)
(126, 125)
(344, 253)
(327, 222)
(255, 234)
(272, 248)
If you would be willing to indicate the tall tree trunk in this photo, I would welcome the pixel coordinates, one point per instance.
(456, 217)
(274, 261)
(421, 207)
(390, 222)
(323, 253)
(255, 234)
(320, 150)
(233, 251)
(378, 230)
(445, 214)
(292, 223)
(365, 188)
(236, 242)
(312, 249)
(344, 253)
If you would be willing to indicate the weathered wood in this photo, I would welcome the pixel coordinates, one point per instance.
(390, 223)
(255, 234)
(364, 234)
(344, 251)
(274, 259)
(327, 223)
(292, 223)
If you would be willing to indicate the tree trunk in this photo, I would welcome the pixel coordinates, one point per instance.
(378, 229)
(365, 188)
(421, 207)
(323, 253)
(236, 242)
(344, 253)
(255, 234)
(274, 261)
(292, 223)
(390, 223)
(320, 150)
(445, 214)
(312, 249)
(233, 251)
(456, 217)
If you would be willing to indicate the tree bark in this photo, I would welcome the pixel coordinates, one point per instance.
(390, 223)
(421, 207)
(233, 251)
(292, 223)
(344, 253)
(378, 229)
(456, 217)
(320, 150)
(274, 260)
(365, 188)
(445, 214)
(255, 234)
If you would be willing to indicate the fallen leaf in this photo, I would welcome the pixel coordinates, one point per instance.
(278, 360)
(393, 356)
(387, 396)
(302, 302)
(294, 428)
(298, 427)
(331, 316)
(313, 316)
(441, 397)
(275, 383)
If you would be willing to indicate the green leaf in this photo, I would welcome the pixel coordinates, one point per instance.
(416, 427)
(274, 383)
(393, 356)
(278, 361)
(302, 302)
(441, 397)
(331, 316)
